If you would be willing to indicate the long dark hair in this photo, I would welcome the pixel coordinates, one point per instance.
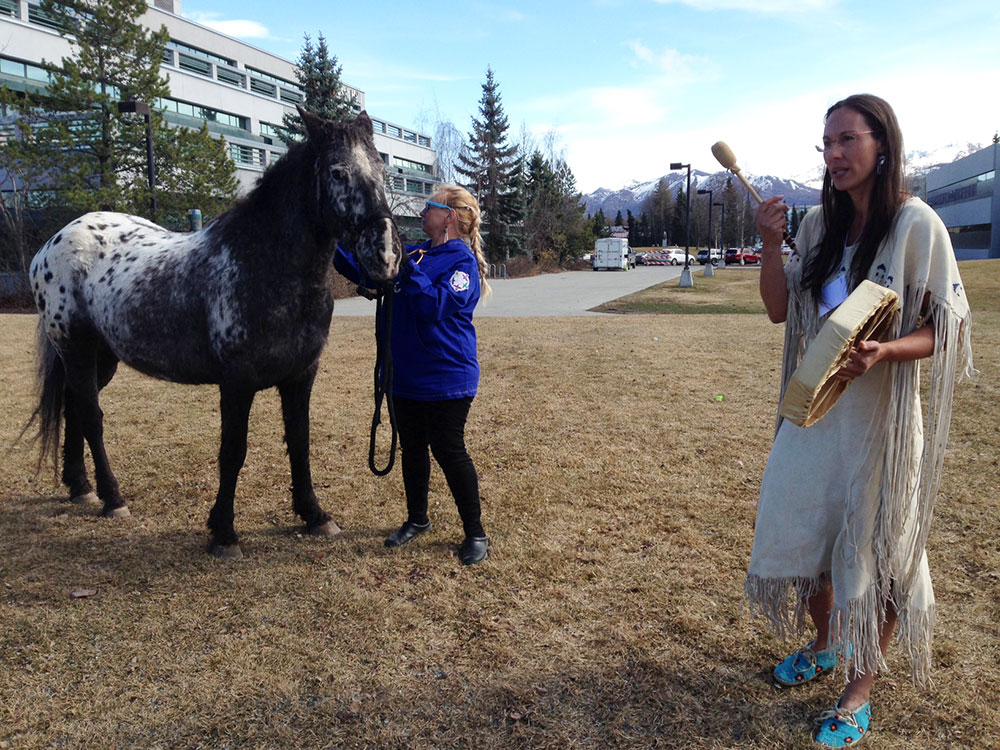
(838, 210)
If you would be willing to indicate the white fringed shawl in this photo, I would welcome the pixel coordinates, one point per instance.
(897, 485)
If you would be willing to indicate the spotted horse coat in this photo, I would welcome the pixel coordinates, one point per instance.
(244, 304)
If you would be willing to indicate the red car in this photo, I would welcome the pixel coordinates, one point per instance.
(741, 256)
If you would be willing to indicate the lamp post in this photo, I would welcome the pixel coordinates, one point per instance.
(709, 269)
(141, 108)
(722, 231)
(686, 273)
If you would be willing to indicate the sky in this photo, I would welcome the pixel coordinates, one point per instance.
(622, 88)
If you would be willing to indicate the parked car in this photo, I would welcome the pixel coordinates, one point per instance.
(739, 256)
(640, 259)
(676, 255)
(715, 253)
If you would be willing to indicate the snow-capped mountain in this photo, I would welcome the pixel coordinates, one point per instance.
(803, 190)
(631, 197)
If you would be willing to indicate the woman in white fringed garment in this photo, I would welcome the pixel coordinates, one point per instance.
(846, 504)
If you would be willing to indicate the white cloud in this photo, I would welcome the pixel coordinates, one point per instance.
(237, 28)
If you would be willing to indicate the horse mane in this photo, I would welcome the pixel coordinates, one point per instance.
(278, 204)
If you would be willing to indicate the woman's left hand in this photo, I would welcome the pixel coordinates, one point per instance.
(861, 359)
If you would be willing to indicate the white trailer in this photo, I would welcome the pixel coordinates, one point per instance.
(613, 253)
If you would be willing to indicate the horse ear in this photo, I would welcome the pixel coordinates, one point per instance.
(314, 124)
(363, 120)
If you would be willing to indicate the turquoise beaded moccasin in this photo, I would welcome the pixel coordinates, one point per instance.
(840, 728)
(805, 664)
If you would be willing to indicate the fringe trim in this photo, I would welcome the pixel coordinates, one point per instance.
(858, 622)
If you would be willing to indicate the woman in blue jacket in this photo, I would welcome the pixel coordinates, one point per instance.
(435, 367)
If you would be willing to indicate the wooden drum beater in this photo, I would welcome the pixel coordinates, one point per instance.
(727, 159)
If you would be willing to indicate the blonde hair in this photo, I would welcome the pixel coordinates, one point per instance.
(467, 221)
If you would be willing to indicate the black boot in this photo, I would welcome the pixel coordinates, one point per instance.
(406, 534)
(473, 550)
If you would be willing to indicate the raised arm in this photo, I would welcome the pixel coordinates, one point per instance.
(770, 219)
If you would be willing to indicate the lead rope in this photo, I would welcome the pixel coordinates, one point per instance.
(383, 378)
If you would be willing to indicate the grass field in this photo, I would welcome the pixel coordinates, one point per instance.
(619, 496)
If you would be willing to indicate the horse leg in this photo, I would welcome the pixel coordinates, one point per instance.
(82, 385)
(235, 403)
(74, 473)
(295, 395)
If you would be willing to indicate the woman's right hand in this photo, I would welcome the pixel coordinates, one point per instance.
(771, 219)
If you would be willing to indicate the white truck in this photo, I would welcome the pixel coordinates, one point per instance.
(613, 253)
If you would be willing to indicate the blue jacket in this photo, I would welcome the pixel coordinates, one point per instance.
(433, 338)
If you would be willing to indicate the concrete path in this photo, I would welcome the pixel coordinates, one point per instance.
(552, 294)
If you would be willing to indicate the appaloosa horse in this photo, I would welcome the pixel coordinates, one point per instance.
(244, 303)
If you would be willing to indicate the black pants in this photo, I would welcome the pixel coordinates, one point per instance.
(439, 425)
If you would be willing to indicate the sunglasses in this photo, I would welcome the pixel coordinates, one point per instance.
(435, 204)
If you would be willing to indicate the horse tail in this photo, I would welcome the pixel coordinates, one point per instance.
(51, 387)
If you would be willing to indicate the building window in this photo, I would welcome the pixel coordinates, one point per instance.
(247, 156)
(396, 184)
(292, 97)
(408, 136)
(204, 113)
(38, 16)
(194, 65)
(414, 166)
(202, 53)
(8, 8)
(168, 57)
(394, 131)
(262, 87)
(268, 129)
(424, 141)
(254, 73)
(378, 126)
(231, 77)
(980, 186)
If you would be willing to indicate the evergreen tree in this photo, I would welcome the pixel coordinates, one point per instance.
(318, 73)
(488, 164)
(619, 221)
(96, 150)
(658, 210)
(678, 224)
(93, 156)
(600, 228)
(632, 228)
(748, 230)
(731, 236)
(555, 226)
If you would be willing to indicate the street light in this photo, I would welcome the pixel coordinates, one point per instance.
(686, 273)
(709, 270)
(722, 231)
(141, 108)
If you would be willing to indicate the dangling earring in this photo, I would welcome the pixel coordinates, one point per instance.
(880, 167)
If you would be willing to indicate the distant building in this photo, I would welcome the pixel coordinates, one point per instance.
(241, 91)
(620, 232)
(964, 196)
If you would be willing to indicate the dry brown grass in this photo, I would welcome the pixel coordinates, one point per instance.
(619, 496)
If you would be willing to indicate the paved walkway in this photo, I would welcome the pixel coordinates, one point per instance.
(553, 294)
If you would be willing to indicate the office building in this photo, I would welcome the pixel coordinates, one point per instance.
(964, 196)
(241, 91)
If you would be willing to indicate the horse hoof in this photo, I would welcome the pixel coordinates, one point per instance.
(232, 552)
(324, 529)
(85, 499)
(122, 512)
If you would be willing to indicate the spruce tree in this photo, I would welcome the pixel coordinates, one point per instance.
(678, 224)
(318, 73)
(487, 164)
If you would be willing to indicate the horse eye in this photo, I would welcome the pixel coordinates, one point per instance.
(338, 171)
